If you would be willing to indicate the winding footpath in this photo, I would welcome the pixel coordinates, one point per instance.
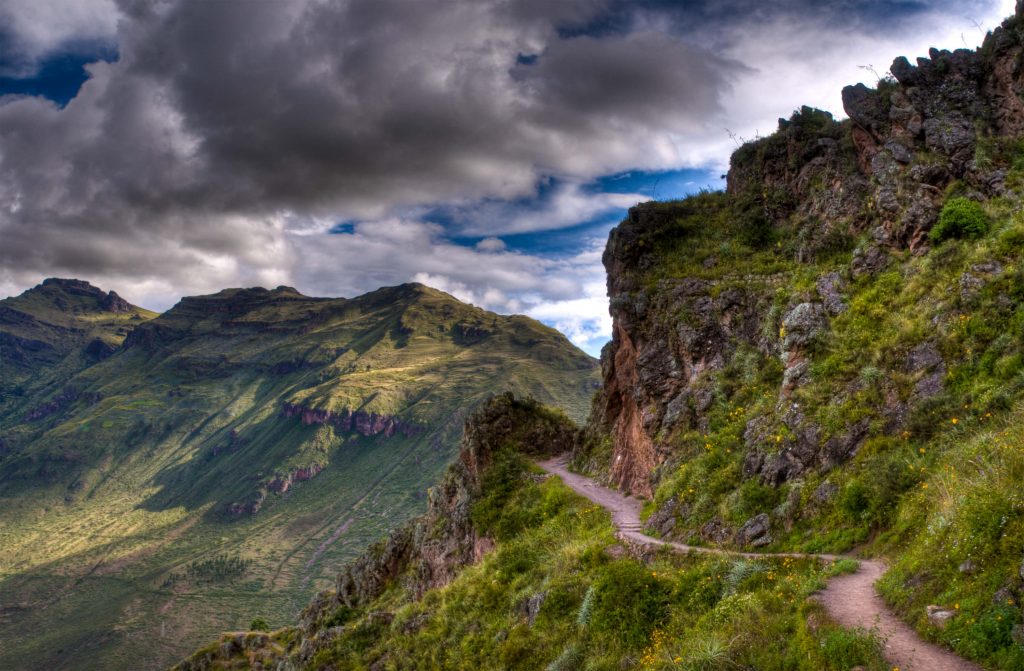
(850, 599)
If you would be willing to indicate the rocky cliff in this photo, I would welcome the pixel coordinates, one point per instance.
(822, 209)
(363, 423)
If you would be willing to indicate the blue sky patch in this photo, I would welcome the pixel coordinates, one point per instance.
(663, 185)
(344, 228)
(59, 77)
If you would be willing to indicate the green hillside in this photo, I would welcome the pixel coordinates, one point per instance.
(556, 591)
(827, 357)
(57, 328)
(225, 459)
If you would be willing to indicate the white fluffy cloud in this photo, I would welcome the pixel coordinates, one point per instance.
(567, 205)
(565, 292)
(33, 29)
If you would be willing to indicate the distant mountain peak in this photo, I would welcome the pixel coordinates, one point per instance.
(71, 284)
(61, 325)
(64, 294)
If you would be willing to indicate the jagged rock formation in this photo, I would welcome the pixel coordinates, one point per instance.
(951, 121)
(918, 134)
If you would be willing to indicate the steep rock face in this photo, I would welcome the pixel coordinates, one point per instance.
(950, 121)
(941, 120)
(654, 372)
(673, 339)
(630, 468)
(666, 341)
(363, 423)
(670, 336)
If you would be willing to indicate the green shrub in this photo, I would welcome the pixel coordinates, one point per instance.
(629, 602)
(855, 499)
(960, 218)
(492, 512)
(1011, 240)
(756, 230)
(848, 648)
(259, 624)
(755, 498)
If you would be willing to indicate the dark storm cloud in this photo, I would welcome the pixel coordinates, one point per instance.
(219, 116)
(384, 102)
(229, 133)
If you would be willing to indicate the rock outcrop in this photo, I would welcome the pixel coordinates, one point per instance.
(939, 120)
(359, 421)
(952, 117)
(281, 483)
(655, 368)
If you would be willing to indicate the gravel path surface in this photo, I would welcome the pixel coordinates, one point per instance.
(850, 599)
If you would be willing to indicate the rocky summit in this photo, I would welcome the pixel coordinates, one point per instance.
(166, 477)
(812, 393)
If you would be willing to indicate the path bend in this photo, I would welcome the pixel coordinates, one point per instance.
(850, 600)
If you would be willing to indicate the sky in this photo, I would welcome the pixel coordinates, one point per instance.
(482, 147)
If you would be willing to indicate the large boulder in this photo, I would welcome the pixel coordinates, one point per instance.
(755, 532)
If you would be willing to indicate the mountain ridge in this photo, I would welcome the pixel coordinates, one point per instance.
(223, 423)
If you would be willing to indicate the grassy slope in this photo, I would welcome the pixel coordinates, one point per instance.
(590, 610)
(664, 613)
(958, 541)
(105, 502)
(44, 334)
(943, 490)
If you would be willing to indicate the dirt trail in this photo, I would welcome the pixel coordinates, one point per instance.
(850, 600)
